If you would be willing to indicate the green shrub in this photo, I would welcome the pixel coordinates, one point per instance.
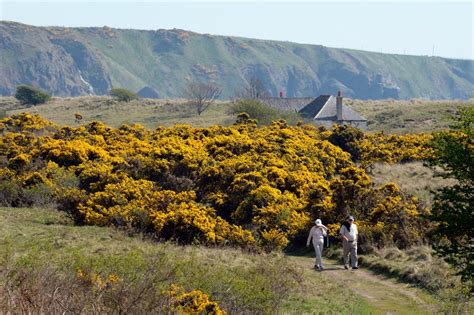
(123, 95)
(29, 95)
(263, 113)
(346, 137)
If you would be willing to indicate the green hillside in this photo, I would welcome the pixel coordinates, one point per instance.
(45, 259)
(68, 61)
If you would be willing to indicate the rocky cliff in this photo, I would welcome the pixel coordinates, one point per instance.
(81, 61)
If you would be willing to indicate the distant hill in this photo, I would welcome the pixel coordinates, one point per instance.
(82, 61)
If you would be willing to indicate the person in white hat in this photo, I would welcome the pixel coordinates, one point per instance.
(317, 233)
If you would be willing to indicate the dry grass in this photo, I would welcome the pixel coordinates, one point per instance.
(41, 253)
(394, 116)
(419, 266)
(413, 178)
(408, 116)
(150, 113)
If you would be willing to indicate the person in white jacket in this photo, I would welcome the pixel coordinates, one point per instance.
(317, 233)
(349, 235)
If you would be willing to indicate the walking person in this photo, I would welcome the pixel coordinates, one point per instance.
(317, 233)
(349, 235)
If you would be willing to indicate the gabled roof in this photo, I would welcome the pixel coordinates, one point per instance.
(324, 108)
(314, 107)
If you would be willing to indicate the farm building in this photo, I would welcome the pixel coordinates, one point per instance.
(327, 110)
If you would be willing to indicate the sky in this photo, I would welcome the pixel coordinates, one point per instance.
(440, 28)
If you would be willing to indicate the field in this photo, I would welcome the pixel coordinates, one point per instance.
(410, 116)
(393, 116)
(186, 214)
(44, 240)
(42, 247)
(413, 178)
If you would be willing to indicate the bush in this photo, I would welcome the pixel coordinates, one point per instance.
(264, 114)
(29, 95)
(123, 95)
(346, 137)
(246, 186)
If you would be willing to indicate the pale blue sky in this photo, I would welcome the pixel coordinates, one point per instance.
(391, 27)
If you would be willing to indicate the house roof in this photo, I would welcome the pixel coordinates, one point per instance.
(314, 107)
(324, 108)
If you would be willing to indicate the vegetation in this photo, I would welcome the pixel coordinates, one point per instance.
(123, 95)
(57, 267)
(419, 266)
(29, 95)
(378, 147)
(257, 188)
(254, 91)
(453, 207)
(264, 114)
(161, 112)
(408, 116)
(243, 186)
(414, 178)
(163, 59)
(201, 95)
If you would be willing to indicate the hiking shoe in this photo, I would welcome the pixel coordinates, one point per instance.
(346, 267)
(316, 267)
(355, 267)
(321, 268)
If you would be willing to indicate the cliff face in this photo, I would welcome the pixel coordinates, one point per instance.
(80, 61)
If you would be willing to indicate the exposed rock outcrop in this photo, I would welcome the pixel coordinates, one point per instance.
(81, 61)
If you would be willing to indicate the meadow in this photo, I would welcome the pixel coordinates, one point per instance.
(194, 219)
(62, 267)
(393, 116)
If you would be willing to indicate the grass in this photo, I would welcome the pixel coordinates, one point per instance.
(41, 252)
(408, 116)
(393, 116)
(150, 113)
(418, 265)
(413, 178)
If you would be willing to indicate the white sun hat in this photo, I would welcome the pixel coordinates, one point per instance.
(318, 222)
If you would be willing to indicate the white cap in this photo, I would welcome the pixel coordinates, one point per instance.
(318, 222)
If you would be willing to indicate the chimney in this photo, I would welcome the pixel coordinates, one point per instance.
(339, 106)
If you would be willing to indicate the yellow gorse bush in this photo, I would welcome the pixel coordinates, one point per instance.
(192, 302)
(239, 185)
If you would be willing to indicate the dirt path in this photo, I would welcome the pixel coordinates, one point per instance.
(385, 295)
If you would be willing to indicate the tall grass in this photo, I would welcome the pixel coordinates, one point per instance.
(413, 178)
(48, 265)
(419, 266)
(263, 113)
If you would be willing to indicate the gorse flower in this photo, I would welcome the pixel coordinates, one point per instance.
(238, 185)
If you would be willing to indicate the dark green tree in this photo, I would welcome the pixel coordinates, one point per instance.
(123, 95)
(453, 209)
(29, 95)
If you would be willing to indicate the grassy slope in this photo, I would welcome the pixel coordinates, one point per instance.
(149, 113)
(38, 237)
(388, 115)
(408, 116)
(413, 178)
(35, 237)
(133, 61)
